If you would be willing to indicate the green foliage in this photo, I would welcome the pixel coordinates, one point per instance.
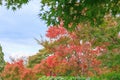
(78, 11)
(0, 2)
(13, 4)
(110, 76)
(111, 59)
(62, 78)
(2, 62)
(74, 12)
(71, 11)
(106, 34)
(35, 59)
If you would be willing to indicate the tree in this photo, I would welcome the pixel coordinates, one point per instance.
(13, 3)
(67, 55)
(35, 59)
(77, 16)
(72, 11)
(17, 71)
(77, 11)
(2, 62)
(106, 35)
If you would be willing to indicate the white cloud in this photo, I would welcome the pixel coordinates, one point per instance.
(30, 9)
(19, 48)
(18, 28)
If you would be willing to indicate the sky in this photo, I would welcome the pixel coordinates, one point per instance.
(19, 28)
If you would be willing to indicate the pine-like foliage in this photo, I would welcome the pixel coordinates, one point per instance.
(2, 62)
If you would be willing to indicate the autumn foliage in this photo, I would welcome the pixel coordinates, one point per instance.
(69, 55)
(66, 54)
(17, 71)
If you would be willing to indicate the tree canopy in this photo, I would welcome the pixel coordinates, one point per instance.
(2, 62)
(77, 11)
(84, 51)
(72, 11)
(13, 3)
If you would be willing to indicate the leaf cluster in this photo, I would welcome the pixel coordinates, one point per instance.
(13, 4)
(78, 11)
(2, 61)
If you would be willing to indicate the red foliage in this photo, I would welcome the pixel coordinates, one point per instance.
(71, 58)
(17, 71)
(54, 32)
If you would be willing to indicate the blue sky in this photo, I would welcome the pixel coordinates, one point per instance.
(18, 30)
